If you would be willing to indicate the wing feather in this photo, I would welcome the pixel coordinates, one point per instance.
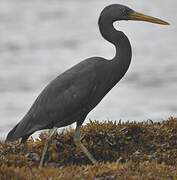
(64, 96)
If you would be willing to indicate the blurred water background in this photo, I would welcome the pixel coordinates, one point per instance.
(40, 39)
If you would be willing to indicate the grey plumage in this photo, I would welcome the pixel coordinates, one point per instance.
(67, 99)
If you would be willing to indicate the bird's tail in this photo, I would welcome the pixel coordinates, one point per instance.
(12, 135)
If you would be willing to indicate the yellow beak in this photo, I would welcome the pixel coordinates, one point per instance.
(142, 17)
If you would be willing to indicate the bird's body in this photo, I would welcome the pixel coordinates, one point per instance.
(69, 97)
(74, 93)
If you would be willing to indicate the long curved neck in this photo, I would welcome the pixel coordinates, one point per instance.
(120, 63)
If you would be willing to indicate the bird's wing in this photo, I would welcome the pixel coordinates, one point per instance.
(70, 99)
(63, 97)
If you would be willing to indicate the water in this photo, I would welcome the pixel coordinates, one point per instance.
(40, 39)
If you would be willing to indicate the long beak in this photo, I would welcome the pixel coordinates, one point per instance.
(142, 17)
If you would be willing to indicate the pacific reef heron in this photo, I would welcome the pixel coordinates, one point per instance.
(74, 93)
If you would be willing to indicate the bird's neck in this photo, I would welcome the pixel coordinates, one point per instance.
(120, 63)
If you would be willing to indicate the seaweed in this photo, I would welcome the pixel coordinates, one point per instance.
(125, 150)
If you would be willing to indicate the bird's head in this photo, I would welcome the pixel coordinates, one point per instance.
(120, 12)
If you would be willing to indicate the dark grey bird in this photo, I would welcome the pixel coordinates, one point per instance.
(74, 93)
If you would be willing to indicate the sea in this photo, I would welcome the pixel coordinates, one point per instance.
(40, 39)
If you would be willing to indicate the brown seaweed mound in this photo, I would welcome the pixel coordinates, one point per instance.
(128, 150)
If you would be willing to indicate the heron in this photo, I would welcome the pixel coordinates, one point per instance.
(73, 94)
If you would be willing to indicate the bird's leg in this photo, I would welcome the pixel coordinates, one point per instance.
(46, 146)
(81, 146)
